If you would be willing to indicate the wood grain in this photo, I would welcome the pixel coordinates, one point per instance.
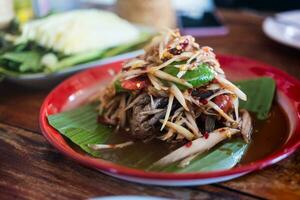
(281, 181)
(20, 106)
(31, 169)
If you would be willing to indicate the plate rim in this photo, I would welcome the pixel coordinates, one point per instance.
(108, 166)
(267, 21)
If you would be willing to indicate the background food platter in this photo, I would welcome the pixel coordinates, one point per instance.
(46, 80)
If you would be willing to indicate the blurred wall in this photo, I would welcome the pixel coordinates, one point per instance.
(268, 5)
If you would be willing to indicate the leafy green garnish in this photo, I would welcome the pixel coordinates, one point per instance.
(201, 75)
(118, 87)
(81, 127)
(29, 60)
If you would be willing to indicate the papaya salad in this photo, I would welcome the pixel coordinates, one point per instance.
(176, 92)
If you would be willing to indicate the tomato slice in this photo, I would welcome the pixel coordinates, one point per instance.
(224, 102)
(135, 83)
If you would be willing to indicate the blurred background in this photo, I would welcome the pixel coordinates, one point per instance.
(222, 24)
(27, 9)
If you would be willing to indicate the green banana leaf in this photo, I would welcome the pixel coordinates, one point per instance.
(260, 94)
(224, 156)
(80, 126)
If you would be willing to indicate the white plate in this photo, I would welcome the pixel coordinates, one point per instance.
(282, 32)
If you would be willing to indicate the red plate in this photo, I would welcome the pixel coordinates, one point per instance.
(74, 90)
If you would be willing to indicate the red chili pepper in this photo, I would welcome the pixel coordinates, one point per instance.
(189, 144)
(205, 135)
(135, 83)
(215, 81)
(203, 101)
(224, 102)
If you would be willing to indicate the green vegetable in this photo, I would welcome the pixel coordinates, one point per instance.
(26, 57)
(75, 59)
(260, 94)
(29, 60)
(93, 55)
(118, 86)
(1, 77)
(4, 71)
(117, 50)
(197, 77)
(81, 127)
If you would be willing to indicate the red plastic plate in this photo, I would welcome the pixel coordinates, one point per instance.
(78, 87)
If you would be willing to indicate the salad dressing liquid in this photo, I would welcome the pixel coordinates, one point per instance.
(268, 136)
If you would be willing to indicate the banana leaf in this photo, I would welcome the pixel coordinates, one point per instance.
(224, 156)
(260, 94)
(80, 126)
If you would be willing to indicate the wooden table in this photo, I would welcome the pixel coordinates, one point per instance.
(30, 168)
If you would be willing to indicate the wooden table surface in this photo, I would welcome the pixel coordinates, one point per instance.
(30, 168)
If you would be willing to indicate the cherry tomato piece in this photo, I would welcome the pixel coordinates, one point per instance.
(224, 102)
(135, 83)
